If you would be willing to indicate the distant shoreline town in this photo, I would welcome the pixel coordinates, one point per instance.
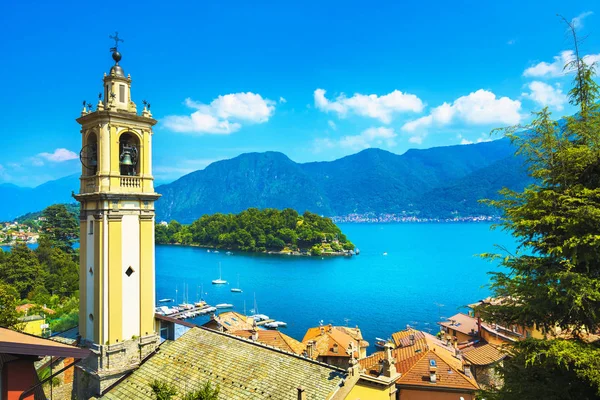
(382, 218)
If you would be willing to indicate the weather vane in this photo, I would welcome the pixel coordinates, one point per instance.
(117, 39)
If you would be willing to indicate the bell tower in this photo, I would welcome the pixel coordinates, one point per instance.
(116, 271)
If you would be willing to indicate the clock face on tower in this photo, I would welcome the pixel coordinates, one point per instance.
(89, 157)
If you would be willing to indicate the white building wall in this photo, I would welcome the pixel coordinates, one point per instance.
(131, 284)
(89, 281)
(105, 269)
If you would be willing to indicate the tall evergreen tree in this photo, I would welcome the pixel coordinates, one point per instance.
(553, 281)
(60, 227)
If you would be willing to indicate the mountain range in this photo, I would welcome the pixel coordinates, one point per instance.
(432, 183)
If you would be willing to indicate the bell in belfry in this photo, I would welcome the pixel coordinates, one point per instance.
(126, 158)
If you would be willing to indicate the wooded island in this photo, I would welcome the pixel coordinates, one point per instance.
(254, 230)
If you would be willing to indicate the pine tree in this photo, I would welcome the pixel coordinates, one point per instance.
(553, 281)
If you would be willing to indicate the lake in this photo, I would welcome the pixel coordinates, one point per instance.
(431, 271)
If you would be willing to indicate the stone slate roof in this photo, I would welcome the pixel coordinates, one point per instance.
(243, 370)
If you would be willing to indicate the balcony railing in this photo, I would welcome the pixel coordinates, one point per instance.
(130, 182)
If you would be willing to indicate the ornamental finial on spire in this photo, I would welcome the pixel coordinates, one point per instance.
(115, 50)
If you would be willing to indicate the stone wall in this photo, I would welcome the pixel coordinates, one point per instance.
(109, 363)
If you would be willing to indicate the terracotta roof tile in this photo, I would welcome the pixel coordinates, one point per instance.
(484, 354)
(403, 338)
(328, 338)
(446, 376)
(462, 323)
(275, 339)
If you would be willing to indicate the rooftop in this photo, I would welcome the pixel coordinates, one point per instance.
(275, 339)
(230, 321)
(462, 323)
(21, 343)
(483, 354)
(412, 362)
(243, 369)
(332, 341)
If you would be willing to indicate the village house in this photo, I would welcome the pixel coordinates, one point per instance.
(230, 321)
(334, 345)
(273, 338)
(426, 368)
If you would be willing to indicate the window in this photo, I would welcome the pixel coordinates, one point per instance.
(122, 93)
(91, 228)
(129, 271)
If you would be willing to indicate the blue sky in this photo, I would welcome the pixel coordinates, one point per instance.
(314, 80)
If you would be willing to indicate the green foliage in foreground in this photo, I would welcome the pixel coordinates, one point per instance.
(553, 281)
(259, 230)
(166, 391)
(48, 275)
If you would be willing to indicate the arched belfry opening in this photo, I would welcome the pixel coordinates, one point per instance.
(129, 154)
(89, 155)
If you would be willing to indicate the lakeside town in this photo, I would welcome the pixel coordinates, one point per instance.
(403, 218)
(14, 232)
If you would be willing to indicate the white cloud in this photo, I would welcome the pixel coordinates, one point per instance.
(282, 100)
(373, 106)
(371, 137)
(59, 155)
(546, 95)
(483, 138)
(578, 20)
(478, 108)
(553, 69)
(556, 69)
(223, 115)
(332, 125)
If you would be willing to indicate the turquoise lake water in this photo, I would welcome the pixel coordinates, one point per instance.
(426, 265)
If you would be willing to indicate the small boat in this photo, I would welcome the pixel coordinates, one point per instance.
(219, 281)
(275, 325)
(380, 343)
(357, 251)
(215, 251)
(224, 305)
(228, 253)
(260, 317)
(385, 253)
(237, 289)
(165, 300)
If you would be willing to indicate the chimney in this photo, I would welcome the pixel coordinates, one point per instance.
(388, 368)
(432, 371)
(335, 348)
(310, 349)
(301, 393)
(330, 328)
(411, 337)
(254, 334)
(455, 342)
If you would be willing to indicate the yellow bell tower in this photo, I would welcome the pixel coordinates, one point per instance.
(116, 273)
